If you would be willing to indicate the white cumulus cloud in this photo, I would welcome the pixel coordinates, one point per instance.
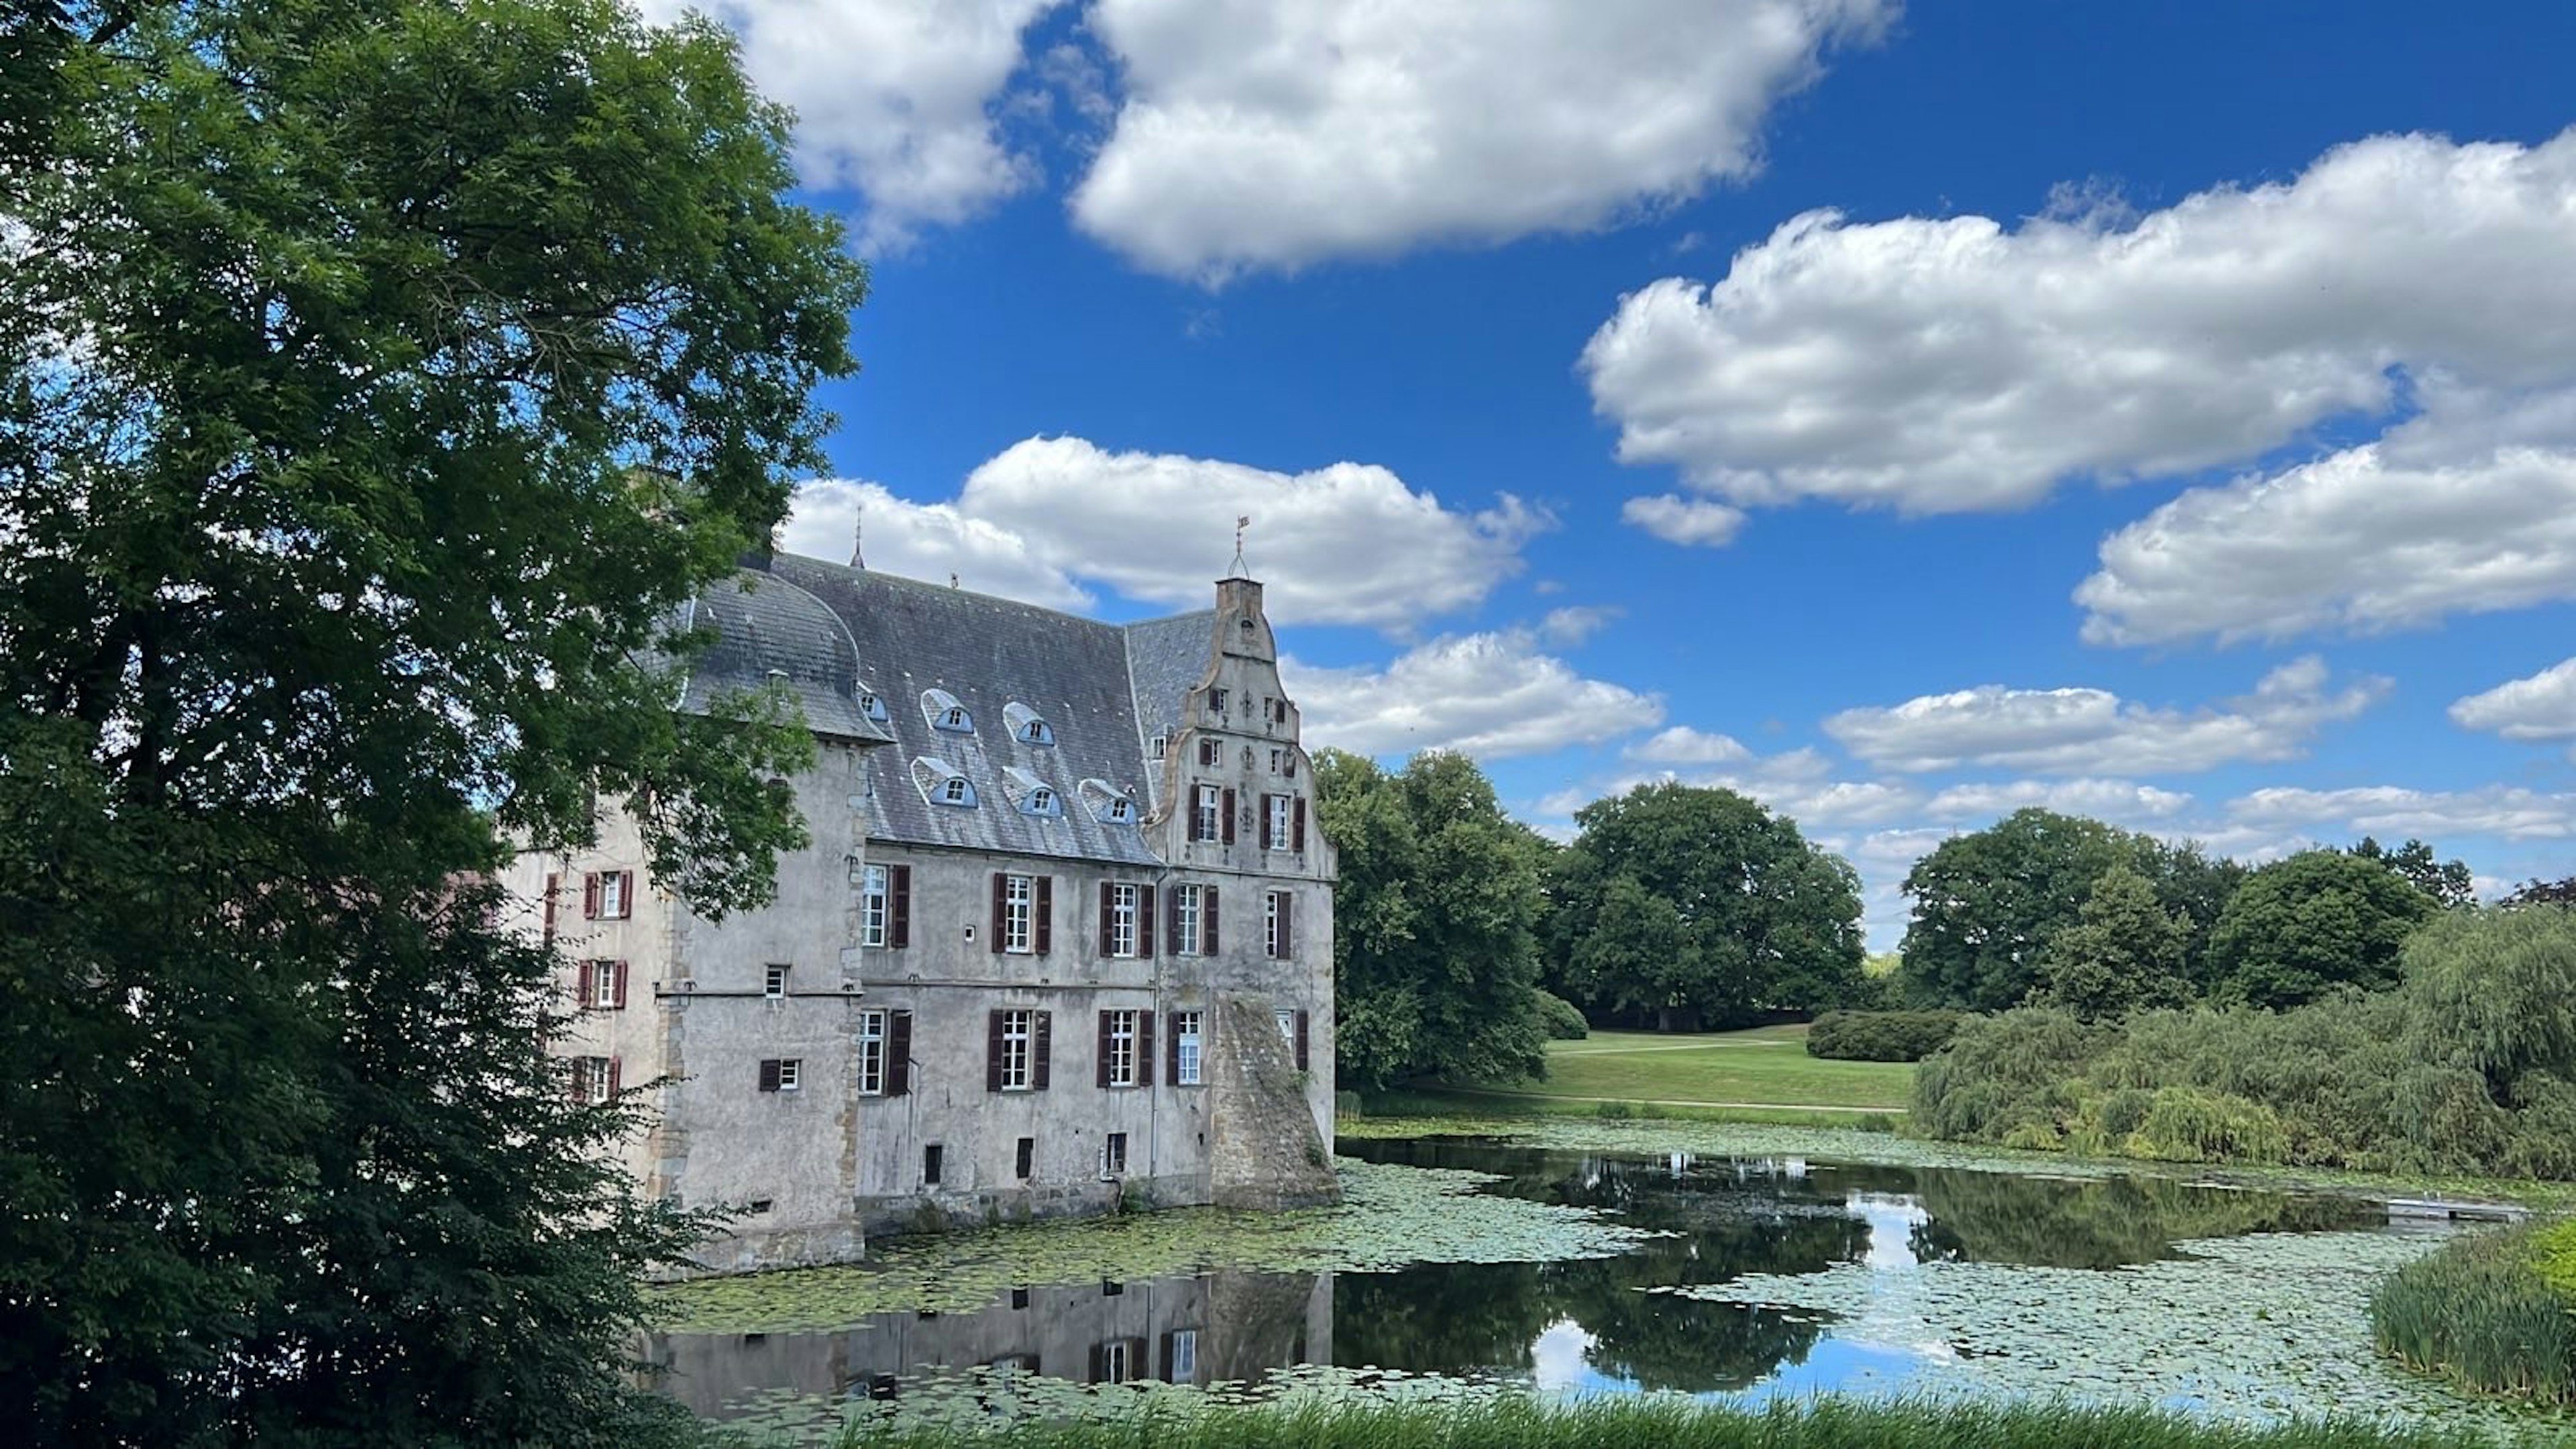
(1958, 364)
(2094, 732)
(2539, 707)
(1684, 520)
(1490, 695)
(1682, 745)
(2392, 812)
(1269, 134)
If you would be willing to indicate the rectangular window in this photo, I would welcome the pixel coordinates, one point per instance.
(1119, 1361)
(1185, 920)
(1189, 1035)
(930, 1164)
(615, 886)
(781, 1074)
(1113, 1153)
(1209, 818)
(773, 982)
(1287, 1024)
(1275, 755)
(554, 883)
(1019, 1033)
(872, 1053)
(1019, 914)
(1119, 1048)
(1277, 911)
(604, 985)
(594, 1079)
(1158, 744)
(1275, 820)
(1278, 711)
(872, 907)
(1123, 901)
(1027, 1159)
(1207, 750)
(1181, 1356)
(1216, 700)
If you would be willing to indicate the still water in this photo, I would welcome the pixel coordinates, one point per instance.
(1918, 1274)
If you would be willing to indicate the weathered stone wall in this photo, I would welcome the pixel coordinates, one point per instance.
(1267, 1151)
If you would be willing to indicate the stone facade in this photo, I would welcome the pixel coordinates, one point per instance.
(1062, 942)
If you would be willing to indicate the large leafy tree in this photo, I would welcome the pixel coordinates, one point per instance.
(1987, 904)
(374, 380)
(1435, 918)
(2124, 953)
(1699, 904)
(2317, 920)
(2448, 882)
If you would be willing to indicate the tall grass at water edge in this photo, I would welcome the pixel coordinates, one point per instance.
(2484, 1313)
(1604, 1423)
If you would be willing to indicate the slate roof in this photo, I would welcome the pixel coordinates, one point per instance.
(1094, 684)
(768, 626)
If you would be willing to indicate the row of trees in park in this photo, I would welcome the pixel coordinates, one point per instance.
(1460, 932)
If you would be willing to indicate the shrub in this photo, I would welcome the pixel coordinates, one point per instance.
(1881, 1036)
(2479, 1312)
(1562, 1019)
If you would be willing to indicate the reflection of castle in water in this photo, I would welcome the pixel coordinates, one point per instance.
(1219, 1326)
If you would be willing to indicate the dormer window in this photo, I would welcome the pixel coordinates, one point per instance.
(1026, 725)
(1158, 745)
(1107, 803)
(870, 705)
(945, 713)
(1032, 795)
(941, 783)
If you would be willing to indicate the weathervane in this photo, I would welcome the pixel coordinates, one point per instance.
(1242, 521)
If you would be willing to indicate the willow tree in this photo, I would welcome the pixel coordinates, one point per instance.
(374, 380)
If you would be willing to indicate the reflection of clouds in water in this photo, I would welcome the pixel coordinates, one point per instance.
(1892, 1219)
(1892, 1326)
(1556, 1358)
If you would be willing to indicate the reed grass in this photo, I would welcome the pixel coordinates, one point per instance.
(2479, 1312)
(1622, 1423)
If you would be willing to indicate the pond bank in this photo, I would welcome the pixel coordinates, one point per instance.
(1522, 1423)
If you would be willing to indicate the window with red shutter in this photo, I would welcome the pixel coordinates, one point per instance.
(616, 1075)
(1207, 925)
(618, 989)
(1229, 815)
(590, 895)
(1042, 1050)
(1297, 832)
(1301, 1040)
(899, 927)
(1000, 884)
(1046, 914)
(1144, 1049)
(1108, 946)
(586, 987)
(554, 882)
(898, 1077)
(1145, 922)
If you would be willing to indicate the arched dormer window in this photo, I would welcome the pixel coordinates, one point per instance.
(871, 705)
(1032, 795)
(944, 712)
(1107, 803)
(941, 784)
(1027, 725)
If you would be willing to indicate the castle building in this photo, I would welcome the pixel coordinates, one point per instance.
(1061, 941)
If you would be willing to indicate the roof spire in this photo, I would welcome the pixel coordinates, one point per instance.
(1242, 521)
(859, 540)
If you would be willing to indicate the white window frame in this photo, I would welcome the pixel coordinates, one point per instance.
(955, 791)
(773, 980)
(1158, 745)
(1270, 923)
(1218, 698)
(612, 895)
(1020, 915)
(875, 912)
(1189, 1050)
(872, 1052)
(1124, 902)
(1113, 1154)
(1282, 817)
(603, 986)
(1185, 1355)
(1019, 1049)
(1185, 921)
(1122, 1048)
(790, 1071)
(594, 1079)
(1287, 1019)
(1211, 812)
(1118, 1361)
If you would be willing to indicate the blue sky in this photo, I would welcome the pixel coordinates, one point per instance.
(1899, 413)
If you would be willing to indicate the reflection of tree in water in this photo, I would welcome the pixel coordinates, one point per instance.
(1989, 1217)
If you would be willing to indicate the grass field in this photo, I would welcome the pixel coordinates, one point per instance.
(1760, 1075)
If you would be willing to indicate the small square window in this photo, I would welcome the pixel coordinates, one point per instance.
(1216, 700)
(1025, 1161)
(788, 1073)
(931, 1163)
(1157, 745)
(774, 982)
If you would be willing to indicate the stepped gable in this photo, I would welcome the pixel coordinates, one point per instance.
(988, 653)
(1166, 659)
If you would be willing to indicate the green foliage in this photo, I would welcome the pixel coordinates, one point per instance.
(1701, 907)
(1435, 946)
(1601, 1423)
(2449, 883)
(330, 567)
(1882, 1036)
(1562, 1019)
(2481, 1312)
(2299, 927)
(2471, 1068)
(2125, 951)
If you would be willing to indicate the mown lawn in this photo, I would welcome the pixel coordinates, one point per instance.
(1766, 1067)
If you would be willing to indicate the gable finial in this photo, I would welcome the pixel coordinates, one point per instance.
(1242, 521)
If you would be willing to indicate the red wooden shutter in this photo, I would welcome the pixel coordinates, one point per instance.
(769, 1075)
(1041, 1049)
(1144, 1048)
(898, 1072)
(1297, 831)
(1102, 1072)
(616, 1075)
(1301, 1039)
(588, 977)
(899, 885)
(1108, 907)
(1044, 905)
(1145, 922)
(1172, 906)
(1000, 885)
(553, 883)
(618, 986)
(590, 895)
(572, 1078)
(1287, 925)
(1207, 924)
(1172, 1065)
(1228, 813)
(1266, 842)
(993, 1052)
